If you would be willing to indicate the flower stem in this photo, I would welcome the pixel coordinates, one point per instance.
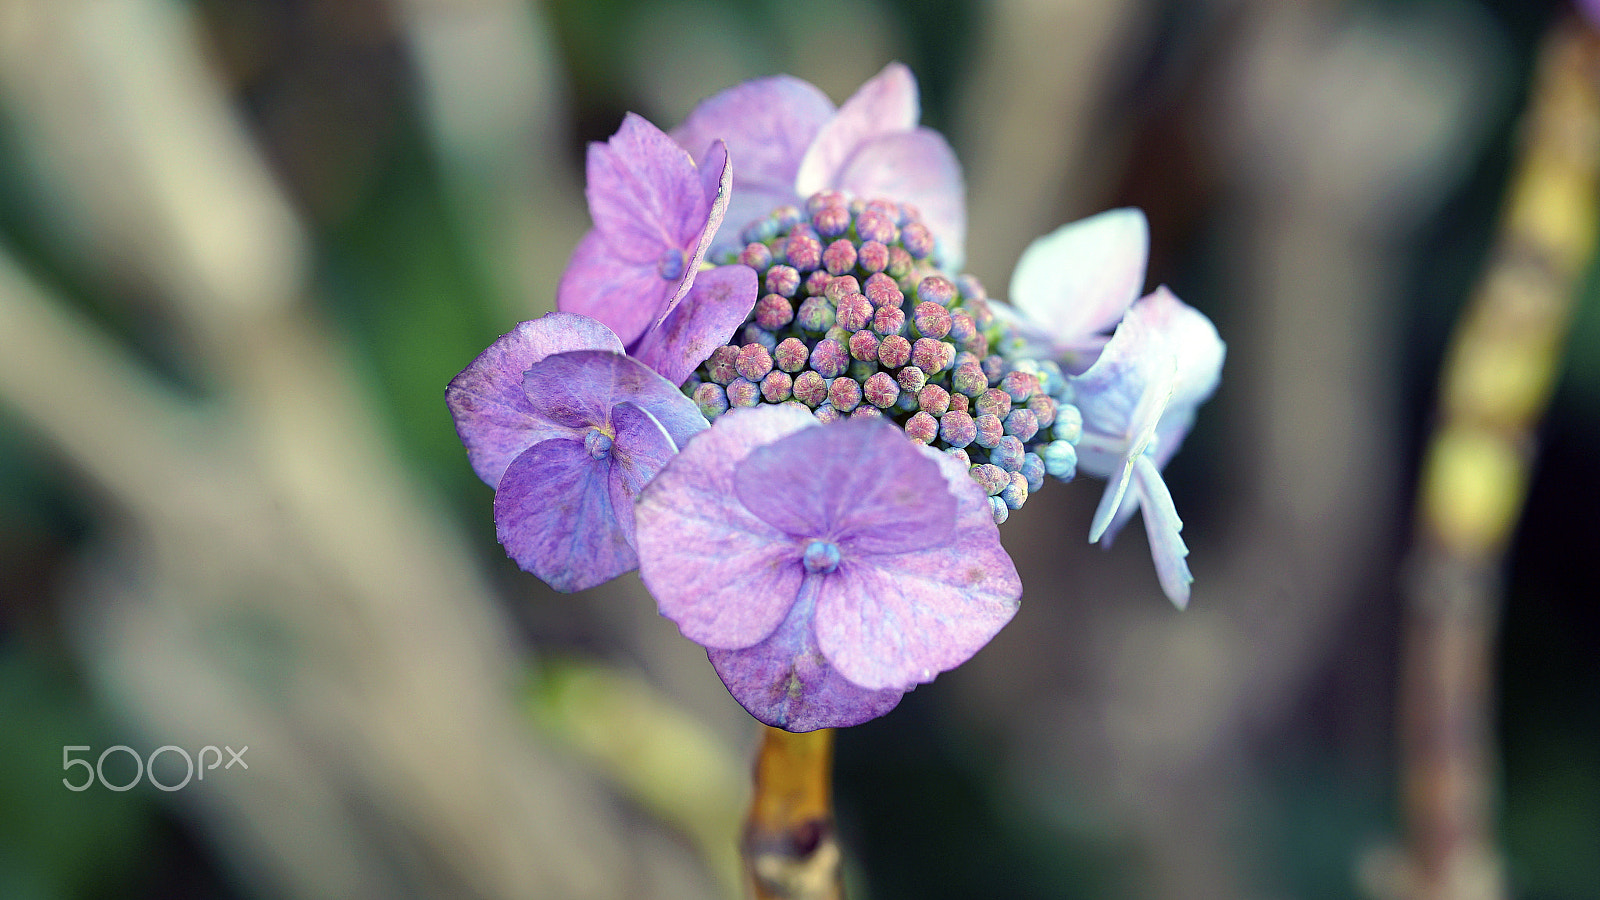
(790, 849)
(1502, 366)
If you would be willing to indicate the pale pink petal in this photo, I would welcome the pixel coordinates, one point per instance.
(916, 167)
(885, 105)
(1079, 280)
(1136, 430)
(1162, 526)
(1189, 336)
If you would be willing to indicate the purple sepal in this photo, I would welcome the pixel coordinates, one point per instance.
(563, 509)
(900, 619)
(787, 683)
(578, 390)
(914, 580)
(655, 213)
(627, 297)
(492, 413)
(851, 486)
(706, 319)
(726, 577)
(567, 517)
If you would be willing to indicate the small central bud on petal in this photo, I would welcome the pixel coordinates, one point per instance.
(671, 263)
(821, 557)
(598, 443)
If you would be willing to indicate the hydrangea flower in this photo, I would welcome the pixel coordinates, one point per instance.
(567, 430)
(638, 270)
(790, 142)
(826, 569)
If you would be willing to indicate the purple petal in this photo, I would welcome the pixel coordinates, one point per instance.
(858, 484)
(723, 575)
(641, 448)
(916, 167)
(579, 389)
(767, 123)
(1079, 280)
(706, 319)
(492, 413)
(885, 105)
(1162, 526)
(644, 192)
(626, 296)
(894, 621)
(554, 515)
(785, 682)
(717, 178)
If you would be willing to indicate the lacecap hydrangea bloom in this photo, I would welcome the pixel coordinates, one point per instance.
(791, 269)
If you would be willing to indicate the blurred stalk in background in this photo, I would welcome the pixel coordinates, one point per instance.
(1498, 378)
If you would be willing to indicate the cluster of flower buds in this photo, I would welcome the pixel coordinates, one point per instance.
(856, 319)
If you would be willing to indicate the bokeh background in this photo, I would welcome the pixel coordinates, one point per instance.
(244, 245)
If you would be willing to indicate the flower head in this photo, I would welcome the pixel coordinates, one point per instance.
(639, 269)
(826, 569)
(790, 143)
(567, 430)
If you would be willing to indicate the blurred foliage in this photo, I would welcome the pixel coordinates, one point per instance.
(55, 843)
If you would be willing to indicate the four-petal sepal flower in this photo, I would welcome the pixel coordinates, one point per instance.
(568, 436)
(826, 569)
(655, 213)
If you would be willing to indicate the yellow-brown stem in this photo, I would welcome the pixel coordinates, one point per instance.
(1497, 380)
(791, 851)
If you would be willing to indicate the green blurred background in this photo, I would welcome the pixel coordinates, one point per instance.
(244, 245)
